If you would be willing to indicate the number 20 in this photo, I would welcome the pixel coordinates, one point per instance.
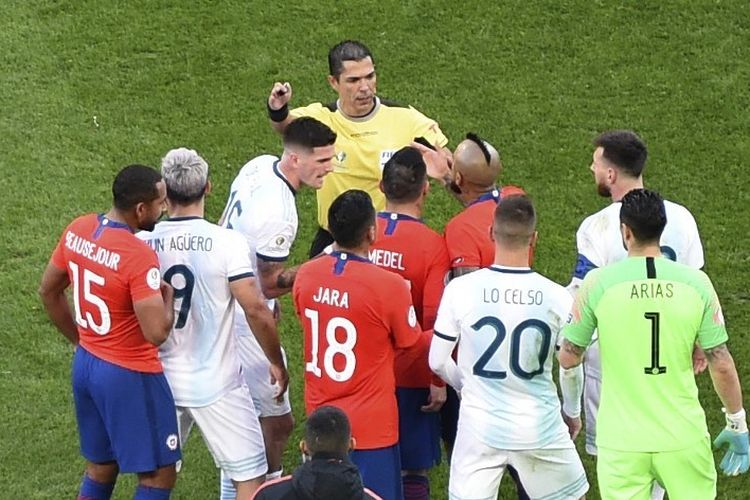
(495, 324)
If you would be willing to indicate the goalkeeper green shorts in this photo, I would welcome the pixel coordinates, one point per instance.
(688, 473)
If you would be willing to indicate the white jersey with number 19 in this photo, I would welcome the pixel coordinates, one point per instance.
(199, 260)
(506, 322)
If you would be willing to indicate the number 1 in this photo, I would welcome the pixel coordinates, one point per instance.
(654, 369)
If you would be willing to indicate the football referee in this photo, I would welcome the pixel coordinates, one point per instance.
(369, 129)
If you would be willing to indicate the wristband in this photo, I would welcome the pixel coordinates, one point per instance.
(736, 422)
(278, 115)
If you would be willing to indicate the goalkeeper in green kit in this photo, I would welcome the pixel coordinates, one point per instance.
(649, 312)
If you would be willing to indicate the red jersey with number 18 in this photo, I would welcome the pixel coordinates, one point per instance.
(110, 269)
(354, 315)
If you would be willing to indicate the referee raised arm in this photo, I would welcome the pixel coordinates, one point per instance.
(369, 129)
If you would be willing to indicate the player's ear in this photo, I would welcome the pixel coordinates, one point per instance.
(333, 82)
(380, 185)
(208, 187)
(426, 188)
(627, 235)
(352, 443)
(612, 175)
(492, 232)
(372, 234)
(303, 447)
(533, 240)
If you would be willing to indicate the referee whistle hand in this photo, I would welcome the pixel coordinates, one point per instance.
(437, 398)
(736, 460)
(281, 94)
(280, 377)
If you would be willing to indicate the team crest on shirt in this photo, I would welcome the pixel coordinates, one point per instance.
(153, 278)
(280, 240)
(339, 160)
(172, 442)
(412, 317)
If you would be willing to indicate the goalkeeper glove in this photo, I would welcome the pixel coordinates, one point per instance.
(736, 460)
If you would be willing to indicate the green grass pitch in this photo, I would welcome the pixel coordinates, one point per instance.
(89, 86)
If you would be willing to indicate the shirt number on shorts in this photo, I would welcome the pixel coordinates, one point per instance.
(333, 347)
(497, 326)
(84, 293)
(184, 293)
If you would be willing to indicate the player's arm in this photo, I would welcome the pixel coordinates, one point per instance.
(275, 278)
(724, 376)
(52, 292)
(441, 359)
(570, 355)
(263, 326)
(278, 106)
(155, 314)
(735, 434)
(588, 256)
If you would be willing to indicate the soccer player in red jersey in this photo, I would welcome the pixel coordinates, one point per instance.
(476, 167)
(355, 315)
(122, 313)
(408, 247)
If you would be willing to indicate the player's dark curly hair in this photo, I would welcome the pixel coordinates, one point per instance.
(624, 149)
(328, 430)
(135, 184)
(404, 176)
(644, 213)
(350, 217)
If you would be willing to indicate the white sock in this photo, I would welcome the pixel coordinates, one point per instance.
(274, 475)
(227, 489)
(657, 492)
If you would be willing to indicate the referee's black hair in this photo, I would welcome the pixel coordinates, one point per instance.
(308, 133)
(644, 213)
(350, 217)
(624, 149)
(404, 176)
(348, 50)
(327, 430)
(135, 184)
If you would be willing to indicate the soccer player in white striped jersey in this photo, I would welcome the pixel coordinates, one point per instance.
(262, 208)
(209, 268)
(618, 162)
(506, 320)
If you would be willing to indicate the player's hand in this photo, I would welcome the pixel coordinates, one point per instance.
(574, 425)
(700, 363)
(437, 162)
(279, 376)
(281, 94)
(437, 398)
(736, 459)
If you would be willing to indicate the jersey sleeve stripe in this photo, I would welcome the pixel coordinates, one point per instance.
(583, 266)
(444, 336)
(241, 276)
(271, 259)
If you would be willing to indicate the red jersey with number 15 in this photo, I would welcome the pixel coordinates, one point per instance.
(110, 269)
(354, 316)
(408, 247)
(467, 235)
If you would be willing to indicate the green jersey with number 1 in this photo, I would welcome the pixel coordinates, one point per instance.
(649, 313)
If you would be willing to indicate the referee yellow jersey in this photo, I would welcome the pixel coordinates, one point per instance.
(364, 144)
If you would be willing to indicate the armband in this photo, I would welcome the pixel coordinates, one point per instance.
(278, 115)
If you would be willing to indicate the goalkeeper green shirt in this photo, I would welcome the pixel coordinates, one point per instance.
(649, 312)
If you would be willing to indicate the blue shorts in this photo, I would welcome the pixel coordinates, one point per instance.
(419, 432)
(123, 415)
(381, 471)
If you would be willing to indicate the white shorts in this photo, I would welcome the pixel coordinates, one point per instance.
(592, 391)
(255, 369)
(555, 471)
(232, 433)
